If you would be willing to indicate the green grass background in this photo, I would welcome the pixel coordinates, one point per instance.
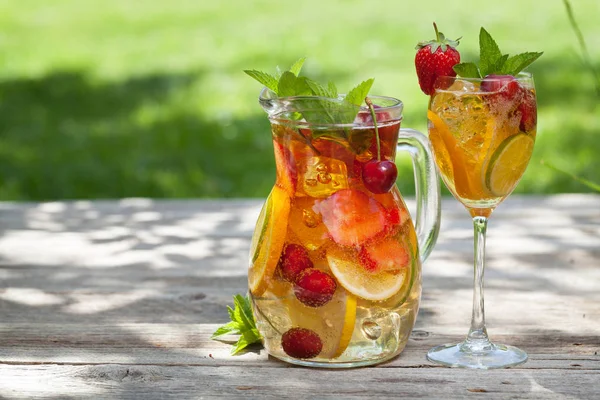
(113, 98)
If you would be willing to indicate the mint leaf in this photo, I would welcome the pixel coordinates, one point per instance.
(357, 95)
(489, 53)
(242, 323)
(332, 90)
(318, 89)
(467, 70)
(361, 139)
(334, 135)
(297, 66)
(266, 79)
(248, 337)
(231, 327)
(242, 306)
(499, 64)
(519, 62)
(291, 85)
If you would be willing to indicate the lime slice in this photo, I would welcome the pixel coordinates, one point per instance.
(270, 230)
(508, 163)
(260, 223)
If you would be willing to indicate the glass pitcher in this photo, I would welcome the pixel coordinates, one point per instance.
(335, 269)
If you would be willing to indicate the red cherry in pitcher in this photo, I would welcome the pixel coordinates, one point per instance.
(379, 176)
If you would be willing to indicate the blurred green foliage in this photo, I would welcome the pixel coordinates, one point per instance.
(112, 98)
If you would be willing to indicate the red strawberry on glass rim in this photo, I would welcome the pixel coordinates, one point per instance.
(435, 58)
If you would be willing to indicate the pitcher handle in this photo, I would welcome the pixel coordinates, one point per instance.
(427, 188)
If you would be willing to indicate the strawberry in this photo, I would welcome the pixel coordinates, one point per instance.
(528, 111)
(506, 85)
(435, 58)
(387, 255)
(351, 217)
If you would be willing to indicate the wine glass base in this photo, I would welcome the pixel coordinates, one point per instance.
(496, 356)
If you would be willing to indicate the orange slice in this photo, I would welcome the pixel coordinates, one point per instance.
(268, 240)
(448, 156)
(360, 282)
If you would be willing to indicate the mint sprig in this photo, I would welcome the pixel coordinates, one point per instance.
(242, 323)
(328, 108)
(492, 61)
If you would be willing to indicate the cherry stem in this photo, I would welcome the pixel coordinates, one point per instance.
(306, 140)
(437, 34)
(370, 105)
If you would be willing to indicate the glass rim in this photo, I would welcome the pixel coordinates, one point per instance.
(395, 106)
(521, 76)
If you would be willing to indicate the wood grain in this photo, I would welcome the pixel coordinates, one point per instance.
(117, 299)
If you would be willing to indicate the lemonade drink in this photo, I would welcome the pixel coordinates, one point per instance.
(335, 272)
(482, 139)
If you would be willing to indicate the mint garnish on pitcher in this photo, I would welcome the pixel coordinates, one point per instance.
(329, 108)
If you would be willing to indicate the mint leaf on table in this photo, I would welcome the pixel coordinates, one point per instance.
(467, 70)
(242, 323)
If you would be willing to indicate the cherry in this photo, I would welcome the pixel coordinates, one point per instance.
(293, 261)
(314, 287)
(507, 85)
(301, 343)
(379, 176)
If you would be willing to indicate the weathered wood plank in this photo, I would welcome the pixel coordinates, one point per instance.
(119, 298)
(190, 344)
(177, 382)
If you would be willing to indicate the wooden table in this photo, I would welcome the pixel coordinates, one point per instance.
(117, 299)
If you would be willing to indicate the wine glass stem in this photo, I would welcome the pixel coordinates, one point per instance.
(477, 339)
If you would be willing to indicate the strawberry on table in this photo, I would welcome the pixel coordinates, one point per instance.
(435, 58)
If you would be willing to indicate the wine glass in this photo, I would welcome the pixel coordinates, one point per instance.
(482, 132)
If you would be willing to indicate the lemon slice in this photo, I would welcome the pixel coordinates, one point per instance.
(358, 281)
(333, 322)
(508, 163)
(270, 231)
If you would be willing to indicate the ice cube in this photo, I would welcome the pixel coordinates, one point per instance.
(306, 225)
(322, 176)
